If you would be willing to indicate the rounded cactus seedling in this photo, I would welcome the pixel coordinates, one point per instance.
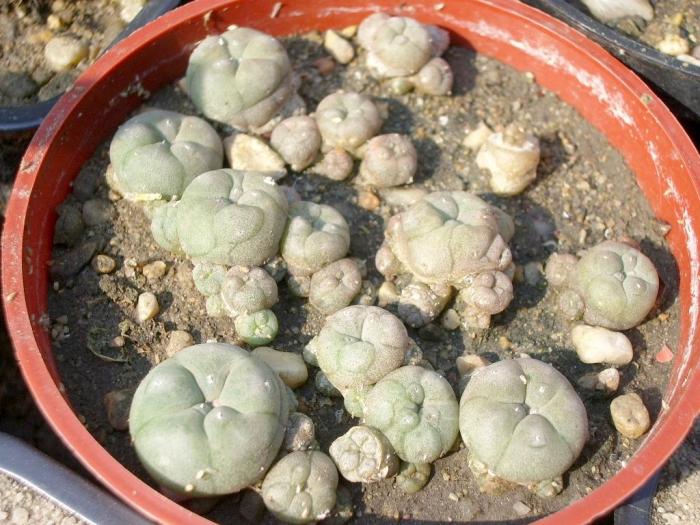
(359, 345)
(156, 154)
(208, 277)
(242, 78)
(297, 140)
(523, 423)
(257, 329)
(225, 217)
(209, 420)
(316, 235)
(347, 120)
(434, 78)
(416, 409)
(335, 286)
(364, 455)
(301, 487)
(248, 290)
(389, 160)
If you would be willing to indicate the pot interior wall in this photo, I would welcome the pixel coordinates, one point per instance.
(580, 73)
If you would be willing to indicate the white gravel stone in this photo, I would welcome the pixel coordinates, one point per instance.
(246, 152)
(630, 416)
(594, 344)
(64, 52)
(475, 138)
(468, 363)
(300, 434)
(155, 270)
(607, 380)
(178, 340)
(339, 48)
(130, 8)
(288, 365)
(147, 307)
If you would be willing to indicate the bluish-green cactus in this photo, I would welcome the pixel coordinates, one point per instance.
(301, 487)
(156, 154)
(335, 286)
(242, 78)
(347, 120)
(316, 235)
(248, 290)
(209, 420)
(523, 421)
(225, 217)
(257, 328)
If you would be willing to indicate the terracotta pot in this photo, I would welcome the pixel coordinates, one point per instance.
(606, 93)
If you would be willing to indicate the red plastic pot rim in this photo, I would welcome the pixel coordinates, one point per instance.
(581, 73)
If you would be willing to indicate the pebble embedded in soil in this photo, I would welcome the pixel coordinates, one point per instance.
(595, 344)
(130, 9)
(300, 434)
(102, 263)
(468, 363)
(674, 45)
(288, 365)
(629, 415)
(64, 52)
(178, 340)
(245, 152)
(154, 271)
(607, 380)
(147, 307)
(117, 404)
(367, 200)
(338, 47)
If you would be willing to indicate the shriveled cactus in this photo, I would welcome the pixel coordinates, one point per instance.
(359, 345)
(347, 120)
(523, 423)
(364, 455)
(335, 286)
(247, 290)
(434, 78)
(511, 157)
(242, 78)
(446, 237)
(297, 140)
(301, 487)
(612, 285)
(316, 235)
(389, 160)
(225, 217)
(209, 420)
(258, 328)
(416, 410)
(156, 154)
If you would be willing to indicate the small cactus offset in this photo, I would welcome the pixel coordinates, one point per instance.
(156, 154)
(301, 487)
(364, 455)
(523, 423)
(209, 420)
(335, 286)
(388, 160)
(347, 120)
(242, 78)
(612, 285)
(297, 140)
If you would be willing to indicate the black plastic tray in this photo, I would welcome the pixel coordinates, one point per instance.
(22, 118)
(677, 81)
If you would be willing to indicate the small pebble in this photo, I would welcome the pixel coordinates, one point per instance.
(130, 9)
(97, 211)
(147, 307)
(387, 294)
(155, 270)
(249, 153)
(64, 52)
(475, 138)
(674, 45)
(468, 363)
(607, 380)
(595, 344)
(178, 340)
(520, 508)
(103, 263)
(532, 272)
(288, 365)
(325, 65)
(664, 355)
(300, 433)
(367, 200)
(402, 197)
(629, 415)
(338, 47)
(450, 319)
(117, 404)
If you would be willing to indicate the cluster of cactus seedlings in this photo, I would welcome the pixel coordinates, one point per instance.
(192, 416)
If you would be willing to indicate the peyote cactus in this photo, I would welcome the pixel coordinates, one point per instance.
(258, 328)
(208, 277)
(419, 304)
(389, 160)
(301, 487)
(156, 154)
(487, 294)
(359, 345)
(297, 140)
(402, 48)
(225, 217)
(612, 285)
(209, 420)
(248, 290)
(335, 286)
(347, 120)
(413, 477)
(336, 164)
(511, 157)
(316, 235)
(523, 423)
(416, 410)
(242, 78)
(364, 455)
